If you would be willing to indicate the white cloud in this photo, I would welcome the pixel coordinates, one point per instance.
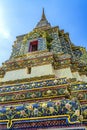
(5, 36)
(4, 31)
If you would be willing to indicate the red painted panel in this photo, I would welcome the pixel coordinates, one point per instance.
(33, 46)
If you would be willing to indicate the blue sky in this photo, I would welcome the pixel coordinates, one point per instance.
(21, 16)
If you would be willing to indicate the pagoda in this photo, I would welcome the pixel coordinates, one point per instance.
(43, 85)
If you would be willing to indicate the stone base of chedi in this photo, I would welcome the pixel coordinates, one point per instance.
(43, 85)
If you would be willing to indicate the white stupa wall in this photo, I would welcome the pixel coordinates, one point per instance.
(77, 76)
(35, 72)
(84, 78)
(65, 72)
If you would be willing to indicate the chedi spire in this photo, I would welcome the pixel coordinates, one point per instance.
(43, 15)
(43, 21)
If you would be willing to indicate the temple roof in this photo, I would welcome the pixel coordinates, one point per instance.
(43, 21)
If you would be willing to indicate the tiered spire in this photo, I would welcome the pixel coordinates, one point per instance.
(43, 22)
(43, 15)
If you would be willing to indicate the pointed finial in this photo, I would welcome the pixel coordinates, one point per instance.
(43, 15)
(43, 21)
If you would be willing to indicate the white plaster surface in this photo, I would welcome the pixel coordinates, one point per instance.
(22, 73)
(84, 78)
(65, 72)
(77, 76)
